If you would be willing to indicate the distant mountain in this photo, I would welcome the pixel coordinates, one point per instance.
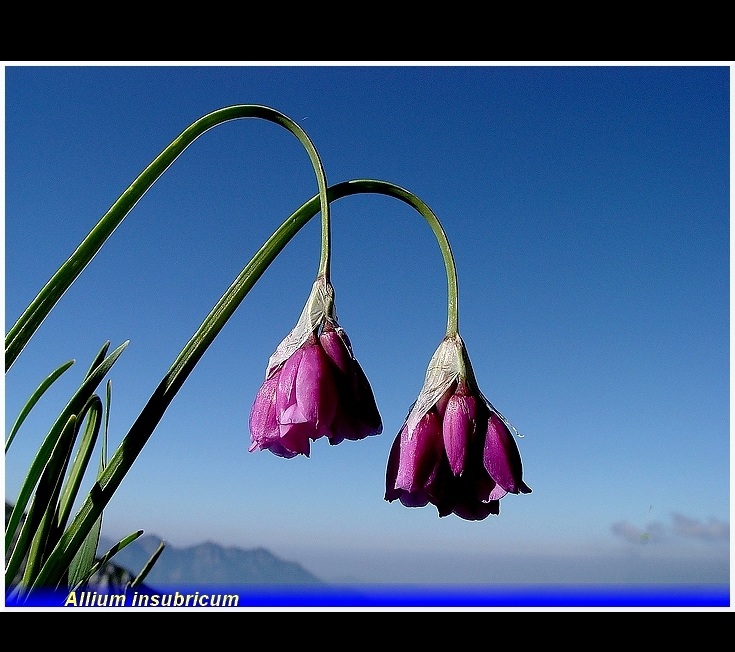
(207, 563)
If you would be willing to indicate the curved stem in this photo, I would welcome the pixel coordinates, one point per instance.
(27, 324)
(385, 188)
(143, 427)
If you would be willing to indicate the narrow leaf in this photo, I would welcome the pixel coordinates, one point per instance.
(140, 577)
(34, 399)
(84, 578)
(41, 515)
(99, 359)
(92, 412)
(73, 407)
(81, 566)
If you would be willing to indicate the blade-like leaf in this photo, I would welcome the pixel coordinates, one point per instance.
(103, 457)
(41, 515)
(92, 412)
(34, 399)
(81, 567)
(83, 578)
(98, 360)
(140, 577)
(73, 407)
(17, 550)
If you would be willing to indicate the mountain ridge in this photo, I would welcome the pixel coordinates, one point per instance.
(208, 563)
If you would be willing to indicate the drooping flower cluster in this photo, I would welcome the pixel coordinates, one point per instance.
(314, 387)
(455, 450)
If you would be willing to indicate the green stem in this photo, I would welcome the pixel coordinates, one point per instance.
(27, 324)
(385, 188)
(142, 429)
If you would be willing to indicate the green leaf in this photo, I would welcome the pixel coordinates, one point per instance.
(84, 578)
(92, 412)
(74, 406)
(32, 543)
(34, 399)
(108, 403)
(98, 360)
(81, 567)
(19, 547)
(140, 577)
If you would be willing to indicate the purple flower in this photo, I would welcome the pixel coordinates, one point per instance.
(455, 450)
(314, 386)
(356, 415)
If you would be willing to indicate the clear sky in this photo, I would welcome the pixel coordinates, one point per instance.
(587, 207)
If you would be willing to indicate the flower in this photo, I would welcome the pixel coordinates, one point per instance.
(313, 386)
(454, 450)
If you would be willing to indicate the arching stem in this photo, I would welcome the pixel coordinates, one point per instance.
(153, 411)
(27, 324)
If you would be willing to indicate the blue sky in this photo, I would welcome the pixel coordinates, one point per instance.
(587, 207)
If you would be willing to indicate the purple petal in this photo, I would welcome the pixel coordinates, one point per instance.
(316, 394)
(472, 493)
(501, 457)
(291, 415)
(365, 406)
(391, 471)
(336, 348)
(266, 433)
(357, 415)
(458, 429)
(441, 404)
(420, 454)
(286, 392)
(419, 498)
(277, 448)
(263, 423)
(407, 461)
(497, 493)
(295, 437)
(442, 486)
(475, 510)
